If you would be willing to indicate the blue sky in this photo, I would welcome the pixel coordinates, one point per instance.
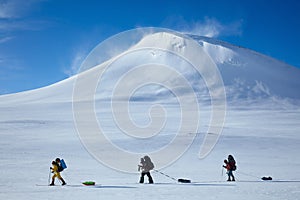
(45, 41)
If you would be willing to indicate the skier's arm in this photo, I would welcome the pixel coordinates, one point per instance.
(54, 169)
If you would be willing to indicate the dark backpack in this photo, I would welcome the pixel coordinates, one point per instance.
(232, 165)
(151, 165)
(60, 168)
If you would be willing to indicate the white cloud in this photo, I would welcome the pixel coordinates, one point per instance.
(76, 62)
(10, 9)
(7, 26)
(13, 15)
(24, 25)
(5, 39)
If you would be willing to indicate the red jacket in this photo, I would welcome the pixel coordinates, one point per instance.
(229, 165)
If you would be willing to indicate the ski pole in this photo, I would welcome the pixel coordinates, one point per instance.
(49, 176)
(222, 172)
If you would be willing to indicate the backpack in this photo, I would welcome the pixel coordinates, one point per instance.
(62, 165)
(151, 165)
(231, 163)
(234, 167)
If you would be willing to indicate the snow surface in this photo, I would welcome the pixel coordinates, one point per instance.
(261, 130)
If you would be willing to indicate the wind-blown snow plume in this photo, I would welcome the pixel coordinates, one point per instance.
(208, 27)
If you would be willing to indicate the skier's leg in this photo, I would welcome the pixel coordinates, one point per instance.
(229, 175)
(60, 178)
(53, 179)
(149, 177)
(233, 179)
(63, 181)
(142, 177)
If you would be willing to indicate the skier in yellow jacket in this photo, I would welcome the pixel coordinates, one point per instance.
(56, 173)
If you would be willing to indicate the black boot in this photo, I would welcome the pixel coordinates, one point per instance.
(63, 181)
(52, 183)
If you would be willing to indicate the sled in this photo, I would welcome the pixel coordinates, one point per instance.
(182, 180)
(88, 183)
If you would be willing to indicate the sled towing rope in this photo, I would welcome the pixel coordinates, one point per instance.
(180, 180)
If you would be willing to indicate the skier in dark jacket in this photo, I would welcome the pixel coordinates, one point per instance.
(230, 166)
(145, 166)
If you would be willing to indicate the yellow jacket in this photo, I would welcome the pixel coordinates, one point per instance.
(55, 170)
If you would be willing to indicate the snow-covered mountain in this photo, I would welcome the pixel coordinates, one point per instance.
(248, 76)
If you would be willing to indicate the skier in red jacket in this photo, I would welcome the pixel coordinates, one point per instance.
(230, 166)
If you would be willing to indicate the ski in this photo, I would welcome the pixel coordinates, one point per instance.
(50, 185)
(79, 185)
